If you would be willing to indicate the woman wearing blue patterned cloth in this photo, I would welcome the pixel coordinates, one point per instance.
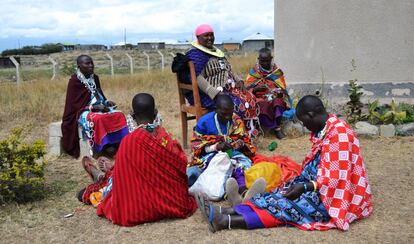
(332, 190)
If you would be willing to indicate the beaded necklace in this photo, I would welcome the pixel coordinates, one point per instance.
(322, 133)
(88, 83)
(150, 127)
(219, 129)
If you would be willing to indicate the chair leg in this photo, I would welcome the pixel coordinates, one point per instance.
(184, 125)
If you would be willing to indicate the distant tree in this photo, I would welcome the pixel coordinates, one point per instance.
(33, 50)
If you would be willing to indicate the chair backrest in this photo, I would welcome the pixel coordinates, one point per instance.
(193, 87)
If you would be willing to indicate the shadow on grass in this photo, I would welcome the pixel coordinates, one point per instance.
(59, 187)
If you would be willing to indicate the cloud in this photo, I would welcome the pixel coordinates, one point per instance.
(94, 19)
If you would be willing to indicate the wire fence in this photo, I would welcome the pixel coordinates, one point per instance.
(112, 62)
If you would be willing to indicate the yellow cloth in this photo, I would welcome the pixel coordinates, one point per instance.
(271, 172)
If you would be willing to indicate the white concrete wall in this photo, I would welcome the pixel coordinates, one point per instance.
(311, 35)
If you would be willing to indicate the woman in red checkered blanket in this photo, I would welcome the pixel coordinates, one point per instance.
(331, 192)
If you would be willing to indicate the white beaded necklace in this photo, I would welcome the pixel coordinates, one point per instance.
(88, 83)
(219, 128)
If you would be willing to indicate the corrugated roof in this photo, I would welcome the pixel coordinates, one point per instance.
(257, 36)
(231, 41)
(122, 43)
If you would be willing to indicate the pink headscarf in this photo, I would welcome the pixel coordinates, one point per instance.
(204, 28)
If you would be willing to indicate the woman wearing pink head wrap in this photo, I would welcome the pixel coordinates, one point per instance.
(202, 29)
(215, 75)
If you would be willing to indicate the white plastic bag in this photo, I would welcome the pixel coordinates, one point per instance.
(211, 182)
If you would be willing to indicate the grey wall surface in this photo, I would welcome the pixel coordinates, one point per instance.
(256, 45)
(316, 40)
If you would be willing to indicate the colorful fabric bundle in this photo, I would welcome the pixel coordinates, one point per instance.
(108, 128)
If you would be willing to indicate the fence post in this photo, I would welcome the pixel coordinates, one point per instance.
(17, 69)
(112, 63)
(131, 63)
(148, 61)
(55, 68)
(162, 60)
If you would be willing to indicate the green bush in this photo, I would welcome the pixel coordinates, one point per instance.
(34, 50)
(387, 114)
(354, 105)
(68, 68)
(21, 169)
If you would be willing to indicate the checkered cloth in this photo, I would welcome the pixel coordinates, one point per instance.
(342, 176)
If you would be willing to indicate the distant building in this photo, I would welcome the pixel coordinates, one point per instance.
(151, 45)
(219, 45)
(67, 46)
(91, 47)
(231, 45)
(123, 46)
(181, 46)
(5, 62)
(257, 41)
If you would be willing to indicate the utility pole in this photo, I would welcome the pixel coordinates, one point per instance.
(125, 38)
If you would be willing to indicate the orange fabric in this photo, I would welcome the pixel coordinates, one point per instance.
(289, 167)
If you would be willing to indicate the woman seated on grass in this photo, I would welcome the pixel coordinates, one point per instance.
(331, 192)
(148, 182)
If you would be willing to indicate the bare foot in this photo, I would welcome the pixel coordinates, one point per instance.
(105, 164)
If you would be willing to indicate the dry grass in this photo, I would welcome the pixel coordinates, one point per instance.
(36, 104)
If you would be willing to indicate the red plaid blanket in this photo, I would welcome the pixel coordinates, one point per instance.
(342, 177)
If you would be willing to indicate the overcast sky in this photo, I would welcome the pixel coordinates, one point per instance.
(33, 22)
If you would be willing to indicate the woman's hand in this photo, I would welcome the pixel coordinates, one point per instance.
(100, 108)
(294, 191)
(240, 85)
(110, 103)
(238, 144)
(261, 88)
(223, 146)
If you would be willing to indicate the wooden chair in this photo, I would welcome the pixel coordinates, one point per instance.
(195, 110)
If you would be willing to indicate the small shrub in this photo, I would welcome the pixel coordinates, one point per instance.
(409, 110)
(354, 106)
(68, 68)
(21, 169)
(387, 114)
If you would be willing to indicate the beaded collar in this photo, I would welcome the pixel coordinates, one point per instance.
(88, 83)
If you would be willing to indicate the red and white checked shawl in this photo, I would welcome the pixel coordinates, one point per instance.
(342, 177)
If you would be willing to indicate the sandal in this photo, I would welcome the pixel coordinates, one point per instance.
(207, 216)
(88, 166)
(105, 164)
